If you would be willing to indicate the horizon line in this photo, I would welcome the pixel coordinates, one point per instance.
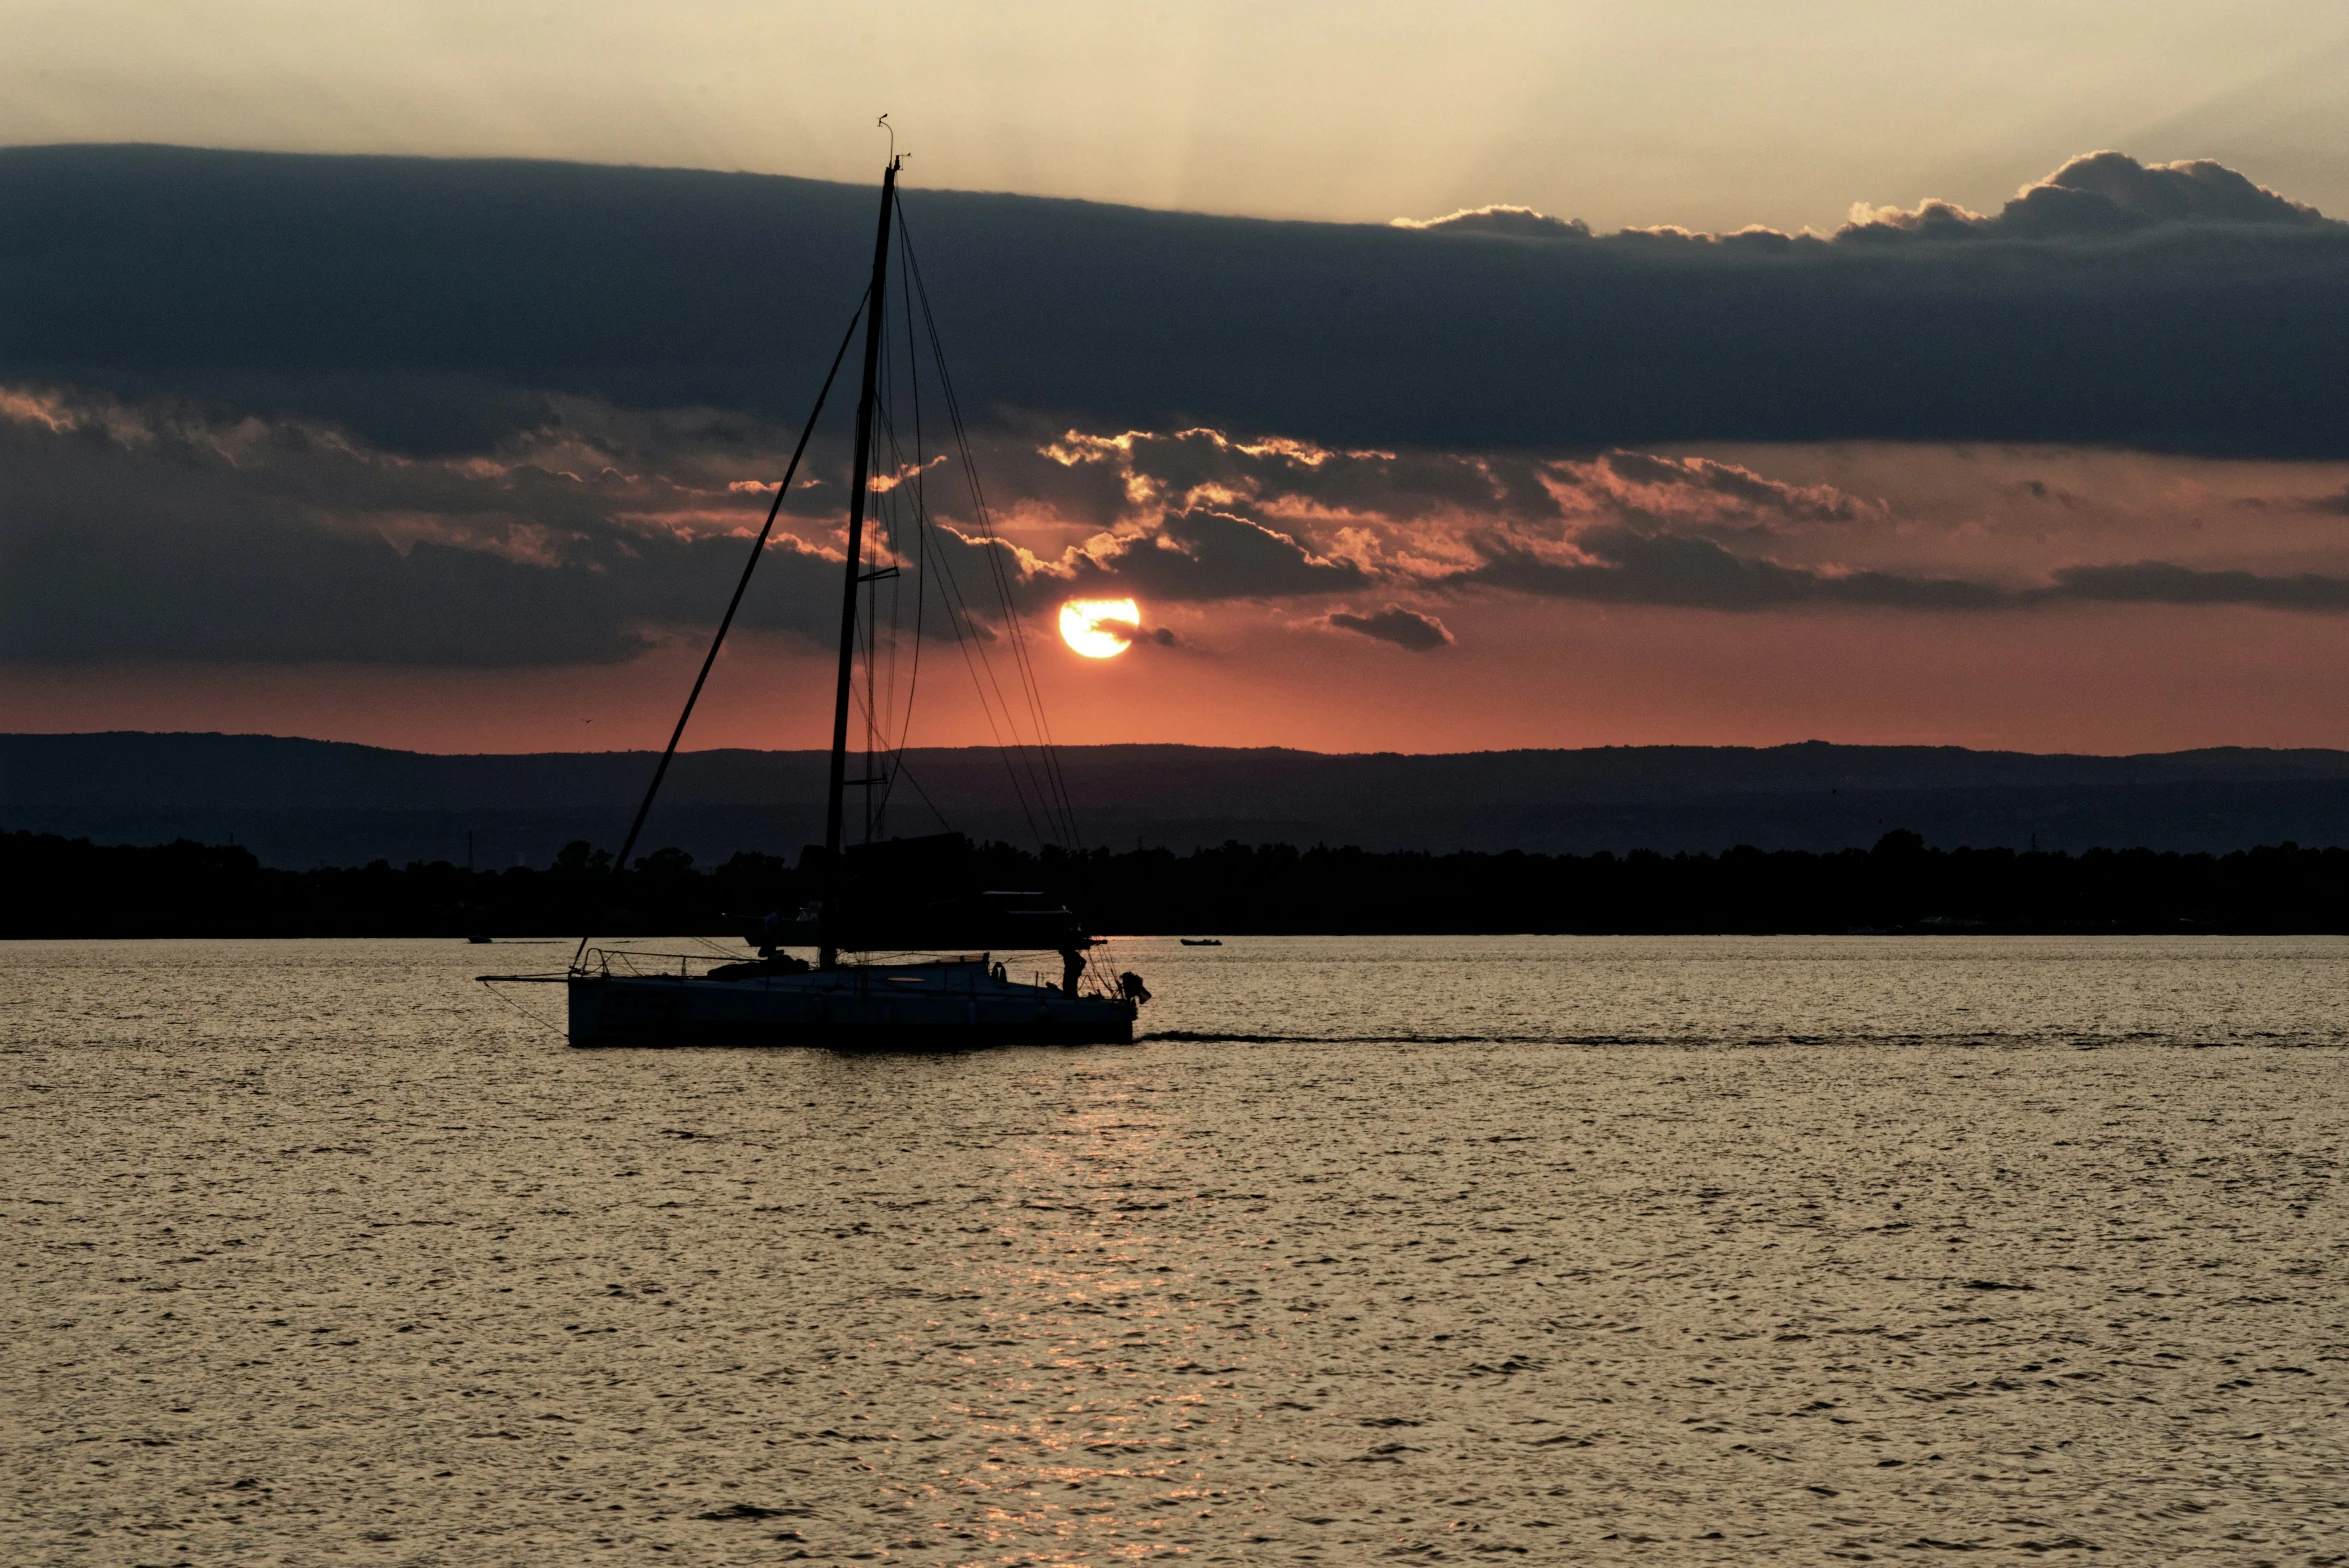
(1300, 751)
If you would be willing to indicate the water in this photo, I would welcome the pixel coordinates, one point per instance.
(1667, 1251)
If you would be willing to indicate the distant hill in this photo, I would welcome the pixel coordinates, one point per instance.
(300, 803)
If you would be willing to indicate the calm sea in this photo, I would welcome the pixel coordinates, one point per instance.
(1403, 1250)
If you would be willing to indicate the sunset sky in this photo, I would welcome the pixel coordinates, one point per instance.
(1550, 375)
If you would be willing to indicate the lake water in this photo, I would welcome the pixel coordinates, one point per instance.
(1402, 1250)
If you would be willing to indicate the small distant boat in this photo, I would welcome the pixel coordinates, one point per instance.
(1203, 941)
(478, 941)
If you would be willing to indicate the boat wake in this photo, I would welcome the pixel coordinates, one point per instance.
(1218, 1037)
(2067, 1039)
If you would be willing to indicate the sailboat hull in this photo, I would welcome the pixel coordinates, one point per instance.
(939, 1007)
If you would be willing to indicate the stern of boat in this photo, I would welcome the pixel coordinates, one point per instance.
(584, 995)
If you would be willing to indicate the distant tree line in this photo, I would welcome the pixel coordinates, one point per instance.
(58, 887)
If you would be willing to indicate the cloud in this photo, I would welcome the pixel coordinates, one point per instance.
(1690, 490)
(164, 529)
(133, 531)
(1511, 222)
(2162, 582)
(1625, 566)
(437, 306)
(160, 531)
(2094, 197)
(1631, 568)
(1141, 472)
(1404, 628)
(1305, 487)
(2098, 195)
(1204, 555)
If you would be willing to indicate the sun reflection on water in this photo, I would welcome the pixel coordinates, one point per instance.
(1107, 1387)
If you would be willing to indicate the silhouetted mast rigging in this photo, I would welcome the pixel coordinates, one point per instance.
(896, 513)
(906, 897)
(859, 479)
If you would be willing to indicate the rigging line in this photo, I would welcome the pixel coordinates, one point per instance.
(898, 769)
(876, 515)
(757, 549)
(1054, 788)
(960, 627)
(896, 715)
(910, 506)
(907, 512)
(1048, 754)
(982, 672)
(559, 1034)
(924, 794)
(917, 503)
(958, 621)
(893, 716)
(1017, 637)
(890, 714)
(1051, 787)
(1017, 753)
(881, 693)
(974, 660)
(879, 698)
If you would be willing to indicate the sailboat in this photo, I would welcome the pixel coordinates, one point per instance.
(897, 955)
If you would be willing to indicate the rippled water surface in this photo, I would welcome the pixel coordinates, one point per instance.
(1547, 1250)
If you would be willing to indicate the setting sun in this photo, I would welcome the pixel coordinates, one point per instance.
(1100, 628)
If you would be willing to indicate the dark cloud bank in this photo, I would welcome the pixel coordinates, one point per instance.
(423, 302)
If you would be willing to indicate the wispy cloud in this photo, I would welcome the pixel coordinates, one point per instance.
(1407, 629)
(156, 531)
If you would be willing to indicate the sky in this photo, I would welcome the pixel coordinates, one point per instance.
(1932, 374)
(1708, 113)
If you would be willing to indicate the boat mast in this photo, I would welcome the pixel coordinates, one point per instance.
(859, 474)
